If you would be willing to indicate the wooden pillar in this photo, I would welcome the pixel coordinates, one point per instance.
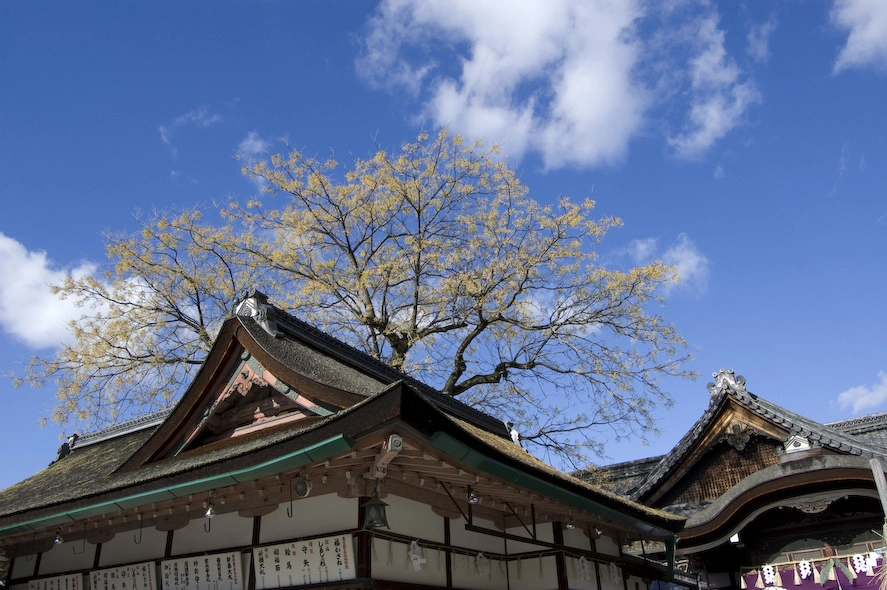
(597, 568)
(448, 557)
(97, 557)
(559, 558)
(9, 572)
(364, 567)
(257, 535)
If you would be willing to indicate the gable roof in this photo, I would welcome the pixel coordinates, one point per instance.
(860, 436)
(88, 483)
(121, 468)
(295, 330)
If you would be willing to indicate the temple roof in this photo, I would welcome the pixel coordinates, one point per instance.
(864, 436)
(336, 395)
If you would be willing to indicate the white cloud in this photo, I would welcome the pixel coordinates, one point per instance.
(28, 311)
(692, 265)
(865, 397)
(553, 77)
(719, 99)
(252, 148)
(719, 172)
(642, 251)
(866, 23)
(200, 117)
(759, 40)
(574, 82)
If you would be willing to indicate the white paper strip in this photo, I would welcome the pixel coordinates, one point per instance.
(69, 582)
(141, 576)
(220, 571)
(304, 562)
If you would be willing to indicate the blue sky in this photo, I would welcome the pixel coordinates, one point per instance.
(744, 142)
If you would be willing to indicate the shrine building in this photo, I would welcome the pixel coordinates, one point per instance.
(773, 500)
(294, 460)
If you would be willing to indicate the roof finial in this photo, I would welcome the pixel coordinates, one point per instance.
(255, 305)
(727, 381)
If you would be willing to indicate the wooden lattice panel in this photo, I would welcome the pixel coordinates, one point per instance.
(721, 469)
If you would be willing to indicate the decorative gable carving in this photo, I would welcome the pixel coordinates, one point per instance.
(721, 468)
(796, 444)
(251, 399)
(738, 435)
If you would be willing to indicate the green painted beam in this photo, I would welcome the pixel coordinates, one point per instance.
(311, 454)
(462, 452)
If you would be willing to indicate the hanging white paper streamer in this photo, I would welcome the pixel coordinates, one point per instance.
(584, 569)
(805, 569)
(769, 575)
(483, 564)
(860, 563)
(416, 559)
(615, 574)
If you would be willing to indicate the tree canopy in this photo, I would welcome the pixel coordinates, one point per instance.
(434, 259)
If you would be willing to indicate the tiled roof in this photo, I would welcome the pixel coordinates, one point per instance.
(624, 478)
(295, 330)
(846, 437)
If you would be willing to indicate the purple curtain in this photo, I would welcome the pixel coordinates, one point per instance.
(787, 573)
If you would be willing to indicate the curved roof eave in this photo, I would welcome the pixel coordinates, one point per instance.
(733, 388)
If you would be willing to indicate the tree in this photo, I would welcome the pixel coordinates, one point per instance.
(148, 321)
(434, 260)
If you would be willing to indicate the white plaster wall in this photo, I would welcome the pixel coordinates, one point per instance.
(471, 540)
(607, 582)
(544, 532)
(533, 574)
(576, 538)
(466, 575)
(123, 548)
(636, 583)
(227, 531)
(607, 545)
(415, 519)
(391, 562)
(312, 516)
(574, 576)
(61, 558)
(23, 566)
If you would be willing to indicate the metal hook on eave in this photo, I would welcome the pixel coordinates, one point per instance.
(138, 539)
(83, 550)
(289, 511)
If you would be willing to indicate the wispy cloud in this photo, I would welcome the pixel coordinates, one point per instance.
(720, 96)
(571, 81)
(642, 251)
(758, 47)
(866, 24)
(200, 117)
(252, 148)
(865, 397)
(28, 310)
(691, 264)
(552, 77)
